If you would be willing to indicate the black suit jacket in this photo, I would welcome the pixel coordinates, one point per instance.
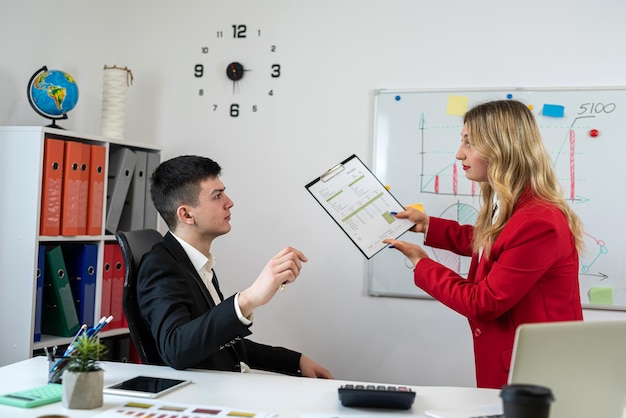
(189, 329)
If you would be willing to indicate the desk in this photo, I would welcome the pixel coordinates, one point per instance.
(288, 396)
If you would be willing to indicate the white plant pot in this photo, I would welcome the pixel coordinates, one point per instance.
(83, 390)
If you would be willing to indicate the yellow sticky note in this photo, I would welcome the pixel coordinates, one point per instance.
(457, 105)
(601, 296)
(417, 206)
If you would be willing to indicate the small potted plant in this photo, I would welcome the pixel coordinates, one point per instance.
(83, 378)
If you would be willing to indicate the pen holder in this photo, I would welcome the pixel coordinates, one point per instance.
(56, 365)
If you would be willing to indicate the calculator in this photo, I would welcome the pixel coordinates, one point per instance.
(29, 398)
(376, 396)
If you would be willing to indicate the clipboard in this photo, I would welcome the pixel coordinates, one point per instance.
(360, 204)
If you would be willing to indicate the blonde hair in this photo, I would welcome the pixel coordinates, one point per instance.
(506, 134)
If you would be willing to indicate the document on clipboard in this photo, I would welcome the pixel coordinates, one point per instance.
(360, 204)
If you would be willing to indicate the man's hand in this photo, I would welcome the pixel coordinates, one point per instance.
(284, 267)
(309, 368)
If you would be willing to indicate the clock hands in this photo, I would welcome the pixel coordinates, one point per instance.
(234, 72)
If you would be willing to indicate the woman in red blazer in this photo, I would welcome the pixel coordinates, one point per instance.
(524, 246)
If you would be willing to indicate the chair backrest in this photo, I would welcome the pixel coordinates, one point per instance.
(134, 244)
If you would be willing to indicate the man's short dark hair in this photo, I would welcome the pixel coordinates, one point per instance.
(177, 181)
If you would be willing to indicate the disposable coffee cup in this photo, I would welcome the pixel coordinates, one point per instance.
(526, 401)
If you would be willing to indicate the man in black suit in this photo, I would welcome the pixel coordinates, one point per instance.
(177, 289)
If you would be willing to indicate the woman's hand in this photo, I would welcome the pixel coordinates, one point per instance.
(412, 251)
(419, 218)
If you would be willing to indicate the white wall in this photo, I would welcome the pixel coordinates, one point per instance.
(333, 55)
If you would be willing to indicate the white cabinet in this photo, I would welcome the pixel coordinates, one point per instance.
(21, 179)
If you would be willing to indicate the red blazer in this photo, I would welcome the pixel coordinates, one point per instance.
(531, 276)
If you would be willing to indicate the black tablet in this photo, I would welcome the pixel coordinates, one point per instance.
(145, 386)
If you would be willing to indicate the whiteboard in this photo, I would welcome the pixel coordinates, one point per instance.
(416, 134)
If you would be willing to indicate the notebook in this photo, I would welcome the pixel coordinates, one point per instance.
(582, 362)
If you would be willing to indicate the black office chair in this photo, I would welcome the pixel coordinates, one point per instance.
(134, 244)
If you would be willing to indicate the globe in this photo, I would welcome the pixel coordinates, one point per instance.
(52, 93)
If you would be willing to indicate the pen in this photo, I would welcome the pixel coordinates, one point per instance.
(70, 347)
(91, 330)
(95, 330)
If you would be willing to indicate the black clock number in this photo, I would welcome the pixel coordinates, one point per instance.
(239, 31)
(275, 71)
(234, 110)
(198, 70)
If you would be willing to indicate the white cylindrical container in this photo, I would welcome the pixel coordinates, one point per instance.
(115, 82)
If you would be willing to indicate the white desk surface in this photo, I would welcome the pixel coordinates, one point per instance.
(288, 396)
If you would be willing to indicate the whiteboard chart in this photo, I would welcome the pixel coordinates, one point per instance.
(416, 134)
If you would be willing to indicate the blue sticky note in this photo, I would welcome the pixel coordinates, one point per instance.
(552, 110)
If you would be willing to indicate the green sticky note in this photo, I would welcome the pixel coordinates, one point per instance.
(601, 296)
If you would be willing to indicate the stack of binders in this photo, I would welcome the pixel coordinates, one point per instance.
(113, 276)
(129, 205)
(67, 294)
(72, 189)
(73, 204)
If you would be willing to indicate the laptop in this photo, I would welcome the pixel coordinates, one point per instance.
(582, 362)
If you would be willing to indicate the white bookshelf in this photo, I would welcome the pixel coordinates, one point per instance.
(21, 172)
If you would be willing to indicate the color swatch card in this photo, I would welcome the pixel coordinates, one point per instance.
(177, 410)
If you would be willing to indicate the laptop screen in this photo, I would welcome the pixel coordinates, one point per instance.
(582, 362)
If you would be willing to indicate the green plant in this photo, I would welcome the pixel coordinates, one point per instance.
(88, 350)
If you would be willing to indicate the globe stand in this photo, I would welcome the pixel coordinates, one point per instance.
(53, 124)
(32, 104)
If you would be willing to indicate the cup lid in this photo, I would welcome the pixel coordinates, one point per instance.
(526, 391)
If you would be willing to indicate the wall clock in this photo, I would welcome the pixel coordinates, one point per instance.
(237, 72)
